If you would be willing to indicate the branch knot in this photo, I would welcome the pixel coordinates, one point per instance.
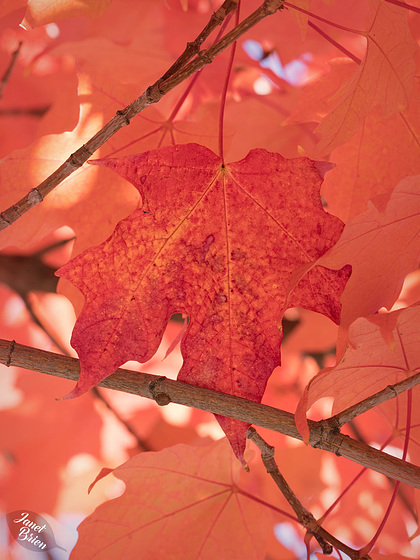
(271, 6)
(206, 58)
(78, 158)
(329, 436)
(9, 357)
(161, 398)
(123, 113)
(154, 93)
(34, 197)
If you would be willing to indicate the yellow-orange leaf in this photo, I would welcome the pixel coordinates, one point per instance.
(383, 246)
(384, 77)
(383, 350)
(173, 493)
(41, 12)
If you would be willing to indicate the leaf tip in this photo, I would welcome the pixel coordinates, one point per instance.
(104, 472)
(76, 392)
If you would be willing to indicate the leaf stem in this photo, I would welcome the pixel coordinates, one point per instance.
(324, 20)
(404, 5)
(335, 43)
(193, 48)
(267, 504)
(321, 435)
(225, 89)
(372, 542)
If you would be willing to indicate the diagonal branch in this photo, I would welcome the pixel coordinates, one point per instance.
(164, 391)
(193, 48)
(390, 392)
(152, 95)
(305, 517)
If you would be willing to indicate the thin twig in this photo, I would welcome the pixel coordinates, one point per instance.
(44, 328)
(141, 444)
(164, 390)
(335, 43)
(123, 117)
(57, 245)
(390, 392)
(193, 48)
(305, 517)
(9, 69)
(27, 273)
(18, 273)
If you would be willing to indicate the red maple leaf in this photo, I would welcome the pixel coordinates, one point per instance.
(218, 243)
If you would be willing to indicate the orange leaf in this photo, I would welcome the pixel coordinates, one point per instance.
(218, 243)
(384, 77)
(376, 158)
(9, 6)
(42, 436)
(383, 350)
(168, 492)
(301, 17)
(79, 195)
(41, 12)
(382, 247)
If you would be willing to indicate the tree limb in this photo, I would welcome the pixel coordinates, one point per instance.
(152, 95)
(164, 391)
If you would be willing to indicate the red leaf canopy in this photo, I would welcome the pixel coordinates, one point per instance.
(218, 243)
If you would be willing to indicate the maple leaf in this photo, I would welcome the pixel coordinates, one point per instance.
(172, 489)
(217, 243)
(383, 349)
(377, 273)
(384, 77)
(67, 205)
(363, 170)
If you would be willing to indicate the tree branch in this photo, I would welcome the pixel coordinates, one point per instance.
(164, 391)
(305, 517)
(390, 392)
(152, 95)
(193, 48)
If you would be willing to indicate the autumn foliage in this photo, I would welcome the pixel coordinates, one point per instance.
(246, 220)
